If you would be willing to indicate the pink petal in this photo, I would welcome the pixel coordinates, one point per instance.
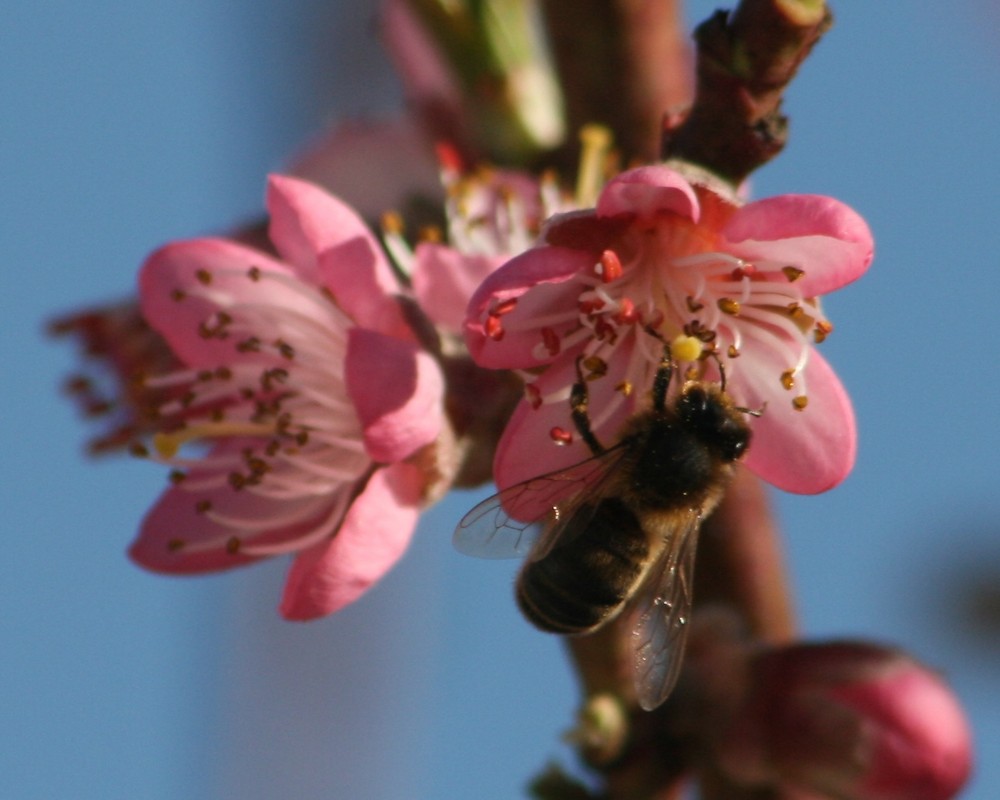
(307, 222)
(175, 517)
(398, 391)
(822, 236)
(182, 285)
(647, 191)
(444, 280)
(375, 533)
(364, 287)
(543, 270)
(806, 451)
(527, 450)
(341, 162)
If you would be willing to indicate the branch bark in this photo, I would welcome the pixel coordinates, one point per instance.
(745, 60)
(623, 64)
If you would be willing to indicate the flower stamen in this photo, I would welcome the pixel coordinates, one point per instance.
(168, 444)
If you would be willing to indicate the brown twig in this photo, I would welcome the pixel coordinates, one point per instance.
(744, 62)
(626, 66)
(741, 564)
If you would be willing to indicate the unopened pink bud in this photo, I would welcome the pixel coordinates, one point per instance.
(848, 720)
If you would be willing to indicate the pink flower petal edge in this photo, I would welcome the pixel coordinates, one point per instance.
(830, 237)
(306, 221)
(330, 245)
(372, 538)
(519, 280)
(444, 279)
(647, 191)
(396, 389)
(218, 268)
(805, 452)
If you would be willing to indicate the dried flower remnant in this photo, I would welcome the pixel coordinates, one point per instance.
(312, 392)
(681, 257)
(119, 347)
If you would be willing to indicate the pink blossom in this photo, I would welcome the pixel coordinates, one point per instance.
(709, 275)
(847, 720)
(304, 378)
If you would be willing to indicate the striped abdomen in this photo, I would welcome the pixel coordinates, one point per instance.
(588, 576)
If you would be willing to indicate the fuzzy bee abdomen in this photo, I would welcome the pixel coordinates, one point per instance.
(586, 579)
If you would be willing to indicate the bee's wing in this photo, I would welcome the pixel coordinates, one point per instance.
(530, 517)
(664, 616)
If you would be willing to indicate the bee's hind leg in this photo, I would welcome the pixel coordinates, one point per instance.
(579, 398)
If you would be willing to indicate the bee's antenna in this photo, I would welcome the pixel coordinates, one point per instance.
(722, 369)
(753, 412)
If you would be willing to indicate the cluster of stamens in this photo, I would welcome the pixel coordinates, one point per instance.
(276, 412)
(711, 305)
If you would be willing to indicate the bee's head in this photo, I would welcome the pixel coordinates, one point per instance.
(710, 415)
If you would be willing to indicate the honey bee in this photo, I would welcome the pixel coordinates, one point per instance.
(622, 525)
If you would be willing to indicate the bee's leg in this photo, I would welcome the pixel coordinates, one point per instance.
(661, 381)
(578, 399)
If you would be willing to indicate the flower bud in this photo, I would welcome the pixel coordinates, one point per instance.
(848, 720)
(478, 74)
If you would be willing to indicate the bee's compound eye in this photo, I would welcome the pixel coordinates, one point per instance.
(709, 417)
(734, 443)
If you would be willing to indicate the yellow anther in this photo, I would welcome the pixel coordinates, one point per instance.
(595, 142)
(800, 402)
(822, 330)
(793, 273)
(596, 367)
(431, 234)
(729, 306)
(392, 223)
(788, 379)
(686, 348)
(167, 444)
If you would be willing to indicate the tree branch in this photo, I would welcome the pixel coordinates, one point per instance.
(744, 62)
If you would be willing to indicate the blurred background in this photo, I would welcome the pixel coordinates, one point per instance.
(126, 124)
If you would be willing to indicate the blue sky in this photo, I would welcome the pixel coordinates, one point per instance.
(128, 124)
